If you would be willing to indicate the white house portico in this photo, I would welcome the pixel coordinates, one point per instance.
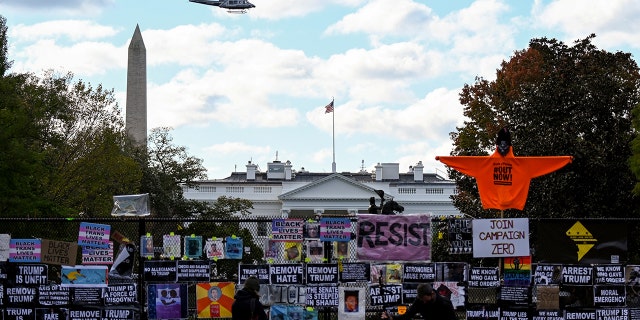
(282, 191)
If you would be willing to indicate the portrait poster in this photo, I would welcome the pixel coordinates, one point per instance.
(234, 248)
(341, 250)
(214, 299)
(193, 247)
(84, 276)
(171, 246)
(214, 248)
(312, 229)
(292, 251)
(167, 301)
(378, 273)
(146, 246)
(271, 249)
(394, 273)
(315, 251)
(632, 281)
(351, 303)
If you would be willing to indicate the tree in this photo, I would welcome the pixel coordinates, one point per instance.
(63, 143)
(167, 168)
(5, 64)
(558, 100)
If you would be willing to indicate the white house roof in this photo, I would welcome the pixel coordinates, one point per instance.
(332, 187)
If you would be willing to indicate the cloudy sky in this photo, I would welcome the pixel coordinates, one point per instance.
(247, 87)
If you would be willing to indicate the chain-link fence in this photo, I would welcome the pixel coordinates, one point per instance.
(256, 233)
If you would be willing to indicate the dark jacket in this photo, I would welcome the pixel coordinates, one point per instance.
(241, 307)
(439, 309)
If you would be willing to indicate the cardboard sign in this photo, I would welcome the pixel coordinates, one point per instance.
(59, 252)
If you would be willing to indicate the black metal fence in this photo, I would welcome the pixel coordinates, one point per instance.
(254, 230)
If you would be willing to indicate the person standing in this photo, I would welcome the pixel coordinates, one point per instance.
(429, 304)
(247, 305)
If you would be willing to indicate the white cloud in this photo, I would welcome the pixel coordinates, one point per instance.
(83, 58)
(614, 22)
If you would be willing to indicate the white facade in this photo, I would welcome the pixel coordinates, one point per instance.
(284, 192)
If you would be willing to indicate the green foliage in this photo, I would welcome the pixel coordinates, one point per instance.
(166, 168)
(558, 100)
(63, 142)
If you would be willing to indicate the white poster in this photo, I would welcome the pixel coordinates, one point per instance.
(500, 237)
(351, 303)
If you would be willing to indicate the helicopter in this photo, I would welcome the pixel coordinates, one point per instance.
(232, 6)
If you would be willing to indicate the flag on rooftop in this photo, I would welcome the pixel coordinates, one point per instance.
(329, 108)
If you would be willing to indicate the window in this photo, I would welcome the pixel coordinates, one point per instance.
(407, 190)
(263, 189)
(207, 189)
(434, 191)
(234, 189)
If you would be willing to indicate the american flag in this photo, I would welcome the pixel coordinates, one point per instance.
(329, 108)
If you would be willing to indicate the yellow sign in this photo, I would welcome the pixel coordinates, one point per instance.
(581, 236)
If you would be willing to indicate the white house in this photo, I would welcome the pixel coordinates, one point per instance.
(282, 191)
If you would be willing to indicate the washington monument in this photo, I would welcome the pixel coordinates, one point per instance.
(136, 117)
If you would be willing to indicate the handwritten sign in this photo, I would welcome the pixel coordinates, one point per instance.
(394, 237)
(59, 252)
(500, 237)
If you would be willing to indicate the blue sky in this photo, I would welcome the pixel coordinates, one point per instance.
(236, 88)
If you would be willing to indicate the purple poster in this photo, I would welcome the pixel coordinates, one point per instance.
(394, 237)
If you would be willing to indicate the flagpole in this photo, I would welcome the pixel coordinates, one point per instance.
(333, 164)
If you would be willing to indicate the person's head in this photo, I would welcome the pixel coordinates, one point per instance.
(163, 293)
(173, 293)
(426, 293)
(312, 231)
(503, 141)
(351, 301)
(292, 253)
(252, 284)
